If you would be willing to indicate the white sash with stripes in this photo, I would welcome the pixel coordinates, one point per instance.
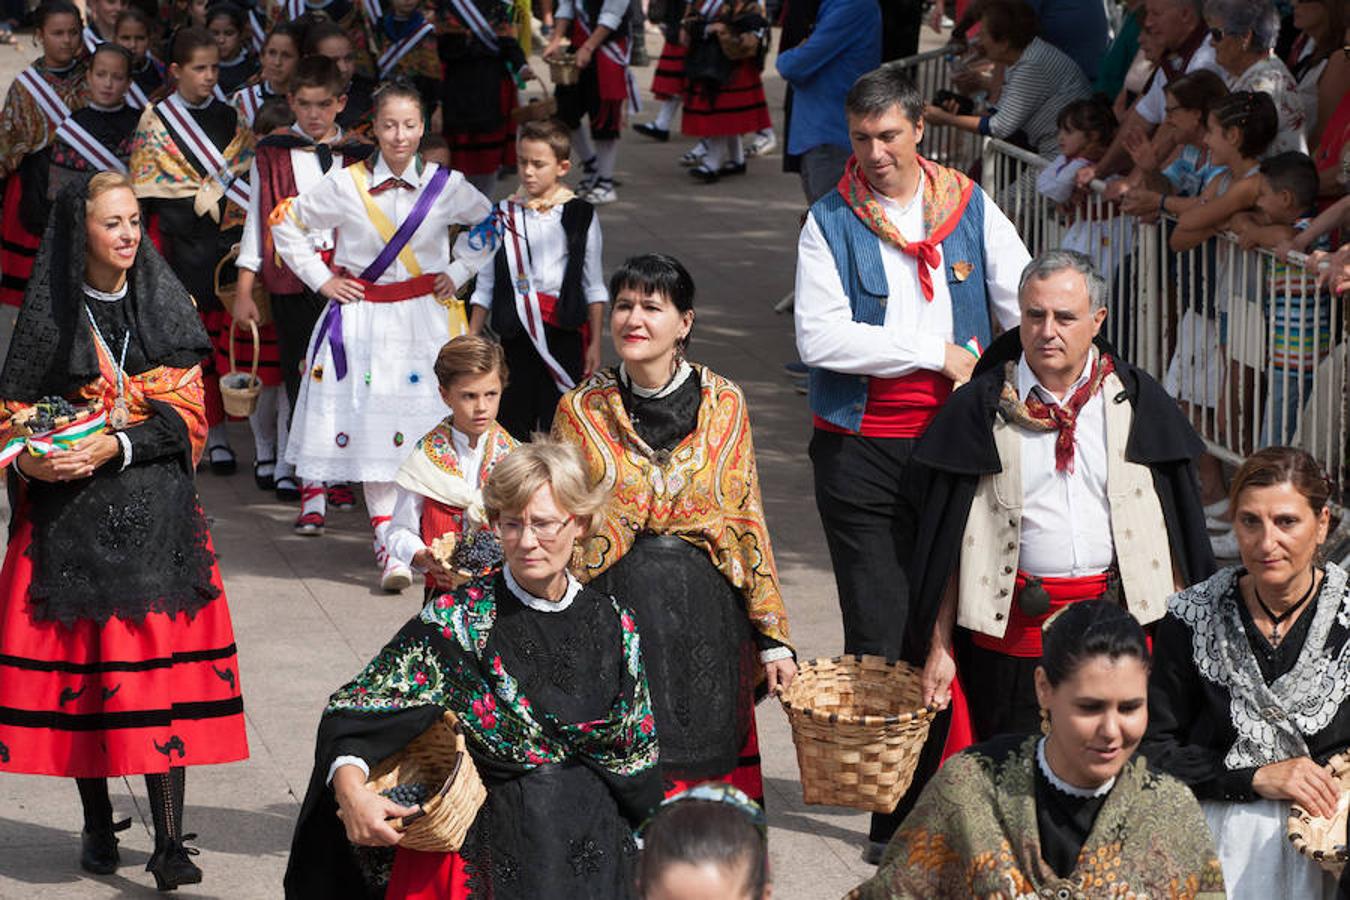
(390, 57)
(373, 12)
(294, 8)
(136, 97)
(250, 101)
(89, 147)
(186, 129)
(527, 298)
(709, 8)
(619, 57)
(91, 40)
(257, 34)
(473, 17)
(50, 102)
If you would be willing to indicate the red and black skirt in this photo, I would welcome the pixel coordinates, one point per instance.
(94, 700)
(18, 246)
(668, 80)
(269, 355)
(486, 152)
(737, 107)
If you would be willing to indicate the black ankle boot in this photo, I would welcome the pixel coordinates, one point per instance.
(171, 863)
(98, 848)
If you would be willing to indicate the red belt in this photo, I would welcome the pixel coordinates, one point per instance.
(1023, 636)
(399, 290)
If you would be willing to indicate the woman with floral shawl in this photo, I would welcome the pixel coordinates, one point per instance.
(547, 680)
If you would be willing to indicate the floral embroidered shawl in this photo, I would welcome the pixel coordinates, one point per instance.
(973, 833)
(441, 659)
(433, 469)
(706, 492)
(24, 128)
(160, 170)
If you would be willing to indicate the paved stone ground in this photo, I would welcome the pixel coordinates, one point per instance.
(307, 614)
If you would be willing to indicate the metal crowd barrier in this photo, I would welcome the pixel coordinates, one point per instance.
(931, 72)
(1251, 347)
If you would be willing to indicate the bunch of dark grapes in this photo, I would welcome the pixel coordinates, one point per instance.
(47, 411)
(478, 552)
(410, 794)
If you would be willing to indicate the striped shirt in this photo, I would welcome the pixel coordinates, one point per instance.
(1041, 83)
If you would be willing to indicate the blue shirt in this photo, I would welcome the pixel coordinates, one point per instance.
(1078, 27)
(1191, 171)
(845, 44)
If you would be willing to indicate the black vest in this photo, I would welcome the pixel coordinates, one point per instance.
(576, 223)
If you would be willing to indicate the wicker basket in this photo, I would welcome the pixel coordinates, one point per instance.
(858, 723)
(227, 292)
(239, 390)
(436, 756)
(562, 69)
(537, 109)
(1324, 840)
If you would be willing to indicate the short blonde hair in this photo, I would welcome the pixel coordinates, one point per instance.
(515, 479)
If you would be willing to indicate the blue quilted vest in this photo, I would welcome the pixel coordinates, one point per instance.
(840, 399)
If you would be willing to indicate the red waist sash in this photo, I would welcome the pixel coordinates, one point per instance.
(899, 407)
(399, 290)
(1023, 637)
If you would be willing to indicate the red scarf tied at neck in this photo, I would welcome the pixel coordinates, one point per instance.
(1038, 415)
(945, 195)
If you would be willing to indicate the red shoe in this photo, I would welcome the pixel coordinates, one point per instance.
(341, 496)
(309, 524)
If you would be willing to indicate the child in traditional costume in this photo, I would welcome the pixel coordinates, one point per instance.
(189, 161)
(102, 24)
(285, 165)
(440, 499)
(41, 97)
(117, 656)
(98, 137)
(721, 111)
(403, 42)
(147, 73)
(390, 287)
(668, 80)
(327, 38)
(544, 295)
(482, 60)
(229, 26)
(280, 56)
(599, 33)
(352, 16)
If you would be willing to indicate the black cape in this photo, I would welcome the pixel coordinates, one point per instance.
(958, 448)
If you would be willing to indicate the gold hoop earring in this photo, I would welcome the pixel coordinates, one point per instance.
(1045, 720)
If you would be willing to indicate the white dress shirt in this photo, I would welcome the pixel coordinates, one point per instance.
(611, 12)
(545, 248)
(1152, 107)
(404, 540)
(1066, 516)
(915, 332)
(334, 203)
(305, 165)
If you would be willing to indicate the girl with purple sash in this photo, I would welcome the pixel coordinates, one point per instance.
(369, 390)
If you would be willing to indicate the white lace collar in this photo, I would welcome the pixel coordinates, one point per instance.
(1063, 786)
(682, 373)
(105, 296)
(539, 604)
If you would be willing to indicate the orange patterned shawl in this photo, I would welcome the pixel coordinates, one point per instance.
(707, 494)
(24, 128)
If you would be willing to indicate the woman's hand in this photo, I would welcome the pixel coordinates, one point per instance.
(364, 813)
(1141, 150)
(1141, 202)
(780, 673)
(939, 671)
(426, 562)
(343, 289)
(1302, 781)
(80, 461)
(444, 286)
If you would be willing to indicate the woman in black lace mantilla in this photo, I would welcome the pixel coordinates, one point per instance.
(117, 655)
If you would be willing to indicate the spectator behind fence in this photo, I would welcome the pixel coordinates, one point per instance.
(1249, 695)
(1115, 66)
(1333, 147)
(1077, 27)
(1152, 188)
(1040, 81)
(1321, 83)
(1086, 128)
(1243, 33)
(845, 43)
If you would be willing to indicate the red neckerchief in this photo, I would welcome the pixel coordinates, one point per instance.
(1038, 415)
(945, 195)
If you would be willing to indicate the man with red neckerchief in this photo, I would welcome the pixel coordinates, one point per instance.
(903, 272)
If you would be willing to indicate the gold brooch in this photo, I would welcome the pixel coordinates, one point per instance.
(962, 269)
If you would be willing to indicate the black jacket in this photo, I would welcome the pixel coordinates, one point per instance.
(958, 447)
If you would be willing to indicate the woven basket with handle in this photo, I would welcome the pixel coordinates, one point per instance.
(1324, 840)
(858, 723)
(438, 759)
(239, 390)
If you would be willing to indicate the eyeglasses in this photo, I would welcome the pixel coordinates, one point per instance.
(545, 530)
(1216, 34)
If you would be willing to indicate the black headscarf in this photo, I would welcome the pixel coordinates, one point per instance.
(52, 351)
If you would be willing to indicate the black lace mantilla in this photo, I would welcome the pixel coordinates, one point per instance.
(121, 544)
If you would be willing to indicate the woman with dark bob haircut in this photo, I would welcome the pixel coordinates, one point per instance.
(683, 538)
(1075, 812)
(1251, 691)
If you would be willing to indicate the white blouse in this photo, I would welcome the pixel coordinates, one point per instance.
(335, 203)
(305, 165)
(545, 247)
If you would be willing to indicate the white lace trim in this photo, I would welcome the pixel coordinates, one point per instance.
(539, 604)
(682, 373)
(1271, 720)
(1063, 786)
(105, 296)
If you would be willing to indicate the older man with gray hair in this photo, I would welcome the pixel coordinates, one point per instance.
(1059, 473)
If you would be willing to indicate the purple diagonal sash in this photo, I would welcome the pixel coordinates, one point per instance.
(408, 228)
(330, 330)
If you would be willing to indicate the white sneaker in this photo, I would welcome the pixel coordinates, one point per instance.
(765, 142)
(1225, 546)
(601, 194)
(396, 576)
